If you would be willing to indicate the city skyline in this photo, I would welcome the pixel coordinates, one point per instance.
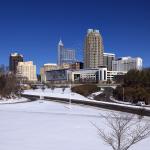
(34, 29)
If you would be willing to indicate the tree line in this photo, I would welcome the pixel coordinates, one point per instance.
(135, 86)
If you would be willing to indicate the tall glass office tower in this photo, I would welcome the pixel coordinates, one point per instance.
(65, 55)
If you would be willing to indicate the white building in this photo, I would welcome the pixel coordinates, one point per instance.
(28, 70)
(84, 75)
(89, 75)
(94, 75)
(112, 74)
(127, 63)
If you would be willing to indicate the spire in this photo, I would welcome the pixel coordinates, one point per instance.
(60, 43)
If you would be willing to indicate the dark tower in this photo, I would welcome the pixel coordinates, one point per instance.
(13, 61)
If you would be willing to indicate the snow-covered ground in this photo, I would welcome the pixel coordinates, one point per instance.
(91, 96)
(121, 102)
(13, 100)
(57, 92)
(44, 125)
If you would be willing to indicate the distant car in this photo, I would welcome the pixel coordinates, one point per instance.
(140, 103)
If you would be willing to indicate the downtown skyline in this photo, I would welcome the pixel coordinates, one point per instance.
(34, 29)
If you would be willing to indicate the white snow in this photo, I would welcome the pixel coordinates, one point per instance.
(57, 92)
(91, 96)
(44, 125)
(13, 100)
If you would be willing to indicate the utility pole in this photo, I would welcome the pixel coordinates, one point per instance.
(70, 97)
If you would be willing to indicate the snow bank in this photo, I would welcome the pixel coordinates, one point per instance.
(57, 92)
(13, 100)
(94, 94)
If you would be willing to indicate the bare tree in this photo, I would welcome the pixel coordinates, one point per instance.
(124, 130)
(9, 86)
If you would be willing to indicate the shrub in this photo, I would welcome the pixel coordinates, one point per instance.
(85, 90)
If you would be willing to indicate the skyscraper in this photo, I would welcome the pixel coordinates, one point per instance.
(65, 56)
(60, 52)
(14, 59)
(93, 49)
(108, 58)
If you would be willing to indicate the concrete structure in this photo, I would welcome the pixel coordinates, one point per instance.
(94, 75)
(108, 58)
(127, 63)
(93, 49)
(89, 75)
(47, 67)
(28, 70)
(84, 76)
(14, 59)
(102, 73)
(65, 56)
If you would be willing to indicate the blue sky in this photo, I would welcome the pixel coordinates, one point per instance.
(34, 27)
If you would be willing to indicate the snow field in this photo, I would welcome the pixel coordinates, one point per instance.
(44, 125)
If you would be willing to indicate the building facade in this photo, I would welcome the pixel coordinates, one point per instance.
(76, 66)
(47, 67)
(108, 58)
(95, 75)
(93, 49)
(27, 70)
(14, 59)
(111, 74)
(59, 75)
(98, 75)
(65, 56)
(127, 63)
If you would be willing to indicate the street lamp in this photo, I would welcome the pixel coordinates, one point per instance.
(70, 97)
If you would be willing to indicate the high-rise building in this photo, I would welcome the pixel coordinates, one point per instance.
(65, 56)
(127, 63)
(93, 49)
(13, 61)
(27, 70)
(108, 58)
(60, 52)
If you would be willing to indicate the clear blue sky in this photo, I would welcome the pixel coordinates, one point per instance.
(34, 27)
